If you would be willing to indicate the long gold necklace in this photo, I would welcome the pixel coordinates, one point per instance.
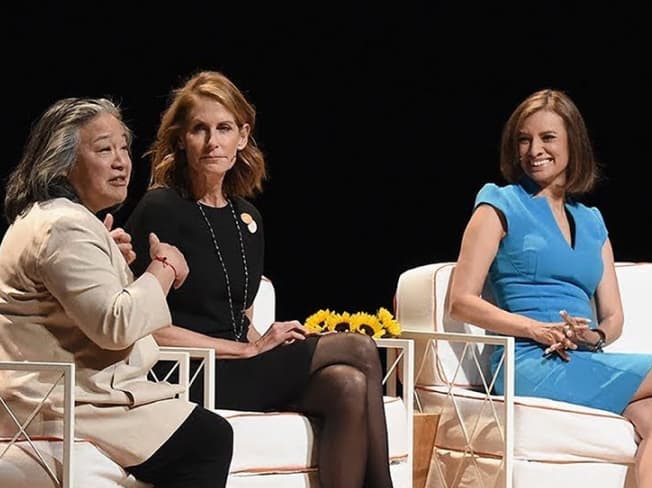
(238, 330)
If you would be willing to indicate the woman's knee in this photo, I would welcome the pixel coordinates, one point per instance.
(639, 413)
(353, 349)
(344, 385)
(366, 349)
(220, 433)
(216, 440)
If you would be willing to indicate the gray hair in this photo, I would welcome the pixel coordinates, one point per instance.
(50, 153)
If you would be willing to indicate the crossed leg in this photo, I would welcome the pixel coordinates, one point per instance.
(345, 390)
(639, 412)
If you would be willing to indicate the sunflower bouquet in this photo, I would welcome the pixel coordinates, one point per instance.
(380, 324)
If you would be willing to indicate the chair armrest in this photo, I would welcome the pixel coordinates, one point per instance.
(506, 341)
(206, 368)
(508, 371)
(399, 354)
(68, 376)
(181, 362)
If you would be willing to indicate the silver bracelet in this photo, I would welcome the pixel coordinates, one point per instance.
(599, 346)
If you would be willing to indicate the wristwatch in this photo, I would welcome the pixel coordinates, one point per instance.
(599, 346)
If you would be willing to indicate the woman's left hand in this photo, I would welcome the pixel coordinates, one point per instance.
(280, 333)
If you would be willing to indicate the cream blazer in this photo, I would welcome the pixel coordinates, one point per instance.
(68, 295)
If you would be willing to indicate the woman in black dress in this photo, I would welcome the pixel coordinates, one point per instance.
(205, 164)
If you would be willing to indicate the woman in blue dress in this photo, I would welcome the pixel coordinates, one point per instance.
(545, 257)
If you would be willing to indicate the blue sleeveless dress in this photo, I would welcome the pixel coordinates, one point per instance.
(536, 273)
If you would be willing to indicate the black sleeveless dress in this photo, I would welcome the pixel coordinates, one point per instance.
(270, 381)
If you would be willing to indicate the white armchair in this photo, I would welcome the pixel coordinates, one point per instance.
(270, 449)
(486, 440)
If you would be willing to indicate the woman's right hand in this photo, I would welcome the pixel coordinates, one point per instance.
(170, 257)
(280, 333)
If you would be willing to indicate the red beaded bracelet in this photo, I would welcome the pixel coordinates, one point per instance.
(165, 262)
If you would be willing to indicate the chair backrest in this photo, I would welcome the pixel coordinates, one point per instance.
(264, 306)
(421, 305)
(635, 283)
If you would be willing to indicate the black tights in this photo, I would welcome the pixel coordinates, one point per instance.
(345, 391)
(197, 455)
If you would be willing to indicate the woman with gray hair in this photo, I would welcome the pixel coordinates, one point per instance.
(67, 295)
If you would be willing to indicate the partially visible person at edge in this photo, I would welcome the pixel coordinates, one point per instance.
(544, 252)
(205, 166)
(67, 295)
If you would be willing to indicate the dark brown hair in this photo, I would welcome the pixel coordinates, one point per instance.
(582, 172)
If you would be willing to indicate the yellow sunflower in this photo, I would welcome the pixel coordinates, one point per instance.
(386, 319)
(339, 322)
(318, 321)
(365, 323)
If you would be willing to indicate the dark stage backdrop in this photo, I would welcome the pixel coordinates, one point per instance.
(379, 123)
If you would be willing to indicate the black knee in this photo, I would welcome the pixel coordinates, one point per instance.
(214, 456)
(366, 352)
(218, 438)
(197, 454)
(344, 388)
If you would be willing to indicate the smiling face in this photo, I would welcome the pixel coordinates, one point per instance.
(543, 148)
(100, 175)
(212, 139)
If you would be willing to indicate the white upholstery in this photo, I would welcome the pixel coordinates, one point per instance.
(288, 445)
(264, 309)
(270, 449)
(286, 451)
(553, 443)
(19, 468)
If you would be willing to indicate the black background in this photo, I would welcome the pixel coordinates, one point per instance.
(380, 123)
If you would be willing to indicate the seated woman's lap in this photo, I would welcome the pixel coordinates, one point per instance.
(270, 381)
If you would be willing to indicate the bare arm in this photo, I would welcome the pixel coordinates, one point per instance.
(480, 243)
(479, 247)
(608, 301)
(174, 335)
(278, 333)
(224, 348)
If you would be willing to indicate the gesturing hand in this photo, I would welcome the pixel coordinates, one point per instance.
(170, 256)
(122, 238)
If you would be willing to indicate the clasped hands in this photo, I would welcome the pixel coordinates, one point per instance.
(564, 336)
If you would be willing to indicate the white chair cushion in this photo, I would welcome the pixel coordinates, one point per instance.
(451, 469)
(21, 468)
(282, 442)
(541, 433)
(275, 443)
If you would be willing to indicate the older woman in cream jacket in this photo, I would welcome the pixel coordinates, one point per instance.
(67, 295)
